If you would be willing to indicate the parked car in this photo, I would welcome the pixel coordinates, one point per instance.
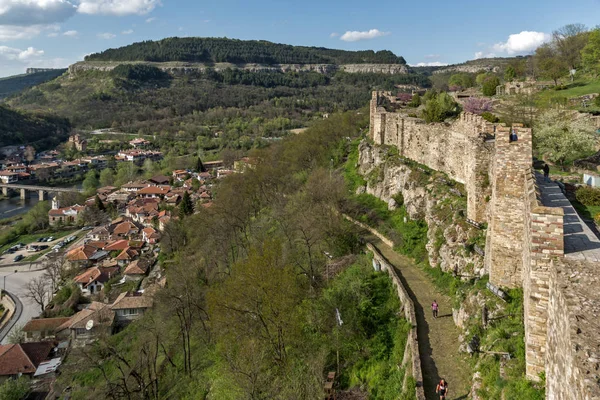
(56, 247)
(21, 245)
(43, 247)
(18, 258)
(42, 239)
(49, 239)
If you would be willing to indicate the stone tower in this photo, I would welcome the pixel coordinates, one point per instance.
(504, 247)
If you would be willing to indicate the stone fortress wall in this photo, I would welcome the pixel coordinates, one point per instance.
(525, 239)
(458, 149)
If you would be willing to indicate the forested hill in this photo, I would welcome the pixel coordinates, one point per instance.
(42, 132)
(17, 83)
(219, 50)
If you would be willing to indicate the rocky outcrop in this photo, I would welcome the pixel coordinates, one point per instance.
(447, 236)
(181, 67)
(472, 69)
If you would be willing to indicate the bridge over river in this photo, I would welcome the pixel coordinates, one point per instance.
(42, 190)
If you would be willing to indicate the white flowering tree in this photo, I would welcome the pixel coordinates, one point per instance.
(562, 139)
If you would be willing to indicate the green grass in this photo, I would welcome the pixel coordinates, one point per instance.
(579, 87)
(587, 212)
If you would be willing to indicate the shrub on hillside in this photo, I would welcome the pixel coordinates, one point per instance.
(588, 196)
(597, 219)
(488, 116)
(488, 88)
(439, 107)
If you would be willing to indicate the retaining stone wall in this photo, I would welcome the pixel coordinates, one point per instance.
(411, 352)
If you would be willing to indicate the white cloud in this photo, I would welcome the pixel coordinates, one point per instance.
(151, 19)
(127, 32)
(522, 43)
(14, 32)
(430, 64)
(334, 34)
(53, 34)
(35, 12)
(353, 36)
(432, 56)
(481, 54)
(117, 7)
(106, 35)
(12, 54)
(71, 33)
(181, 29)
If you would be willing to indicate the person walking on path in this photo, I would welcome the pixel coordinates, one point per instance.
(434, 308)
(442, 389)
(546, 173)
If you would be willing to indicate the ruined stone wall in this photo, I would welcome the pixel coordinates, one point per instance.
(411, 352)
(504, 247)
(457, 149)
(573, 357)
(543, 242)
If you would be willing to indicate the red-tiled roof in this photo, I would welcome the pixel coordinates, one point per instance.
(117, 245)
(44, 324)
(96, 274)
(137, 267)
(81, 253)
(154, 190)
(23, 358)
(127, 254)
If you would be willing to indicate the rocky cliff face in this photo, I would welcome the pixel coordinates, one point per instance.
(448, 234)
(177, 67)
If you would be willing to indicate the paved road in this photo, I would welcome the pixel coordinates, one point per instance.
(580, 242)
(438, 338)
(14, 285)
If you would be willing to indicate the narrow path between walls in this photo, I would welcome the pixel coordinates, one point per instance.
(438, 338)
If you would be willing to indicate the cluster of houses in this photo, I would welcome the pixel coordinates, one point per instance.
(21, 163)
(116, 253)
(142, 200)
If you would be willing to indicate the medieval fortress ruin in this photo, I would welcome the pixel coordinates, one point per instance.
(535, 240)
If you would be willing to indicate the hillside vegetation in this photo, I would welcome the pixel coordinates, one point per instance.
(17, 83)
(42, 132)
(233, 108)
(240, 51)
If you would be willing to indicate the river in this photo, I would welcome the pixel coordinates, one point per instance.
(15, 206)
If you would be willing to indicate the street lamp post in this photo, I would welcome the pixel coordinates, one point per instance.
(4, 284)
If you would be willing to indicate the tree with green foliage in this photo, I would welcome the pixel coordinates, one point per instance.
(509, 73)
(126, 172)
(36, 218)
(549, 64)
(569, 42)
(91, 182)
(590, 55)
(562, 139)
(107, 177)
(439, 107)
(15, 389)
(462, 80)
(416, 100)
(186, 207)
(488, 88)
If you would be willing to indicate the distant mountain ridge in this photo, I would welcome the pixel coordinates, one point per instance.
(14, 84)
(235, 51)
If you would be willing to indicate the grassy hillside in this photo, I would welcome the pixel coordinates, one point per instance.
(42, 132)
(238, 52)
(17, 83)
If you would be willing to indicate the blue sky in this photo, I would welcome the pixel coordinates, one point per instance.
(56, 33)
